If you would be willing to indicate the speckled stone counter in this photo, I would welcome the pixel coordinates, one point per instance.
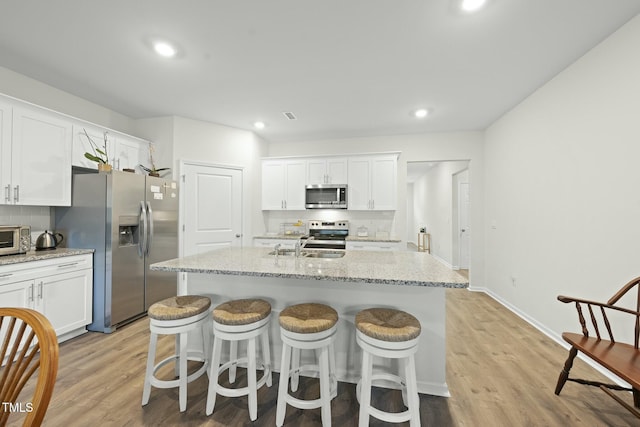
(349, 238)
(410, 281)
(42, 255)
(390, 268)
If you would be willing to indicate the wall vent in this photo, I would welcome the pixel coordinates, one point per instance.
(289, 115)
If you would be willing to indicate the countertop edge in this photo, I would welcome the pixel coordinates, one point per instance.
(32, 256)
(310, 277)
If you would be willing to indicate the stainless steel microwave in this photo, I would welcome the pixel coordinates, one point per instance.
(326, 196)
(14, 239)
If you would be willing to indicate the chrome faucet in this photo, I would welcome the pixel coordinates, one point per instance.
(299, 245)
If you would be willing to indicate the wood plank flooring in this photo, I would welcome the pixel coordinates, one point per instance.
(500, 371)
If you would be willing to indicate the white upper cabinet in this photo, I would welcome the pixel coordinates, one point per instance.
(330, 170)
(372, 183)
(283, 184)
(40, 166)
(130, 153)
(82, 145)
(5, 152)
(123, 151)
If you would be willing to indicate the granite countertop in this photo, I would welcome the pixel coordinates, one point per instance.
(42, 255)
(348, 239)
(392, 268)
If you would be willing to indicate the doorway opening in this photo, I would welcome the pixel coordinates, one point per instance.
(438, 203)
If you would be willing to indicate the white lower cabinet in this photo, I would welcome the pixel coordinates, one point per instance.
(373, 246)
(60, 288)
(271, 243)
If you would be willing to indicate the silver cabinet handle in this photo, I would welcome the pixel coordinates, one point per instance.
(70, 264)
(31, 296)
(40, 290)
(7, 193)
(16, 194)
(238, 235)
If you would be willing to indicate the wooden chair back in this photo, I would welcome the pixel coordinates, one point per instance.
(605, 309)
(28, 343)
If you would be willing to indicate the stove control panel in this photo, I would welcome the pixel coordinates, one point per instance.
(328, 225)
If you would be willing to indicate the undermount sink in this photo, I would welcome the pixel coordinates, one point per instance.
(284, 252)
(309, 254)
(323, 254)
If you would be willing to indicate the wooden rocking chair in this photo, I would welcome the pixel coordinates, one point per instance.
(620, 358)
(24, 333)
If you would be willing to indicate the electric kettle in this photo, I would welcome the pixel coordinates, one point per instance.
(48, 240)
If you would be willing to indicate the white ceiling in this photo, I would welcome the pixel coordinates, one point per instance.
(346, 68)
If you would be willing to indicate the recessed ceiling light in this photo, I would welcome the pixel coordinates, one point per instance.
(472, 5)
(164, 49)
(259, 125)
(421, 113)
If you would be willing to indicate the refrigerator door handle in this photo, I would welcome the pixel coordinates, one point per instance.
(142, 222)
(150, 233)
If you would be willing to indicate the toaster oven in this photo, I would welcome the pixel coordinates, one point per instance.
(14, 239)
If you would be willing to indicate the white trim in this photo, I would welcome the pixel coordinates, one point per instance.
(553, 335)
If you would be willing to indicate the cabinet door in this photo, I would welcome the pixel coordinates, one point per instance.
(65, 299)
(5, 153)
(294, 188)
(359, 190)
(17, 294)
(337, 171)
(130, 153)
(383, 183)
(41, 158)
(273, 178)
(316, 171)
(82, 145)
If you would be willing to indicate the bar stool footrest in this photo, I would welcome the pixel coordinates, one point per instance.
(193, 356)
(242, 391)
(390, 417)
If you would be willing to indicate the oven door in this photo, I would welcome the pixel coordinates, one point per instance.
(9, 240)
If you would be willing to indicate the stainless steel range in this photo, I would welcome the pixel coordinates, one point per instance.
(327, 234)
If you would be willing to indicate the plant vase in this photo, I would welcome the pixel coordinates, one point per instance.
(104, 167)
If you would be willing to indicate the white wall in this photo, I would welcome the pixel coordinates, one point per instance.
(30, 90)
(211, 143)
(563, 186)
(415, 148)
(433, 204)
(36, 92)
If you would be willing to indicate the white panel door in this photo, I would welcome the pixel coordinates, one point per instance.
(463, 221)
(211, 208)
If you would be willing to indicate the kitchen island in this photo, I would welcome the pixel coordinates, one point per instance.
(410, 281)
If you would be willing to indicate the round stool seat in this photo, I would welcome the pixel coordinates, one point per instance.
(179, 307)
(308, 318)
(241, 311)
(387, 324)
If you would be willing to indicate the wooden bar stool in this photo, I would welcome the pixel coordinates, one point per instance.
(307, 326)
(177, 315)
(392, 334)
(233, 321)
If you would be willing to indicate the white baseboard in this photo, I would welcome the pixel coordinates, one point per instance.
(553, 335)
(443, 261)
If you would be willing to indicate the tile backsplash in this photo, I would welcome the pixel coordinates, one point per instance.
(37, 217)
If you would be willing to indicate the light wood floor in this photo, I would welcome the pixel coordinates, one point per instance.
(500, 371)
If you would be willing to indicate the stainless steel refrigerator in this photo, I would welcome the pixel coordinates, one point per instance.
(131, 221)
